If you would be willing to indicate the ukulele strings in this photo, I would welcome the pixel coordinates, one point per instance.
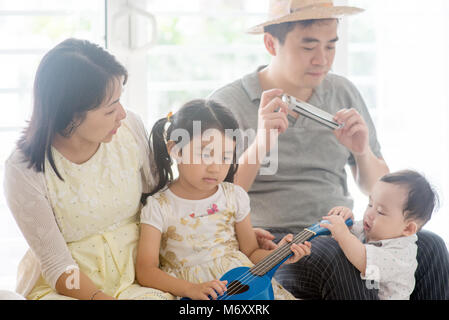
(274, 256)
(281, 252)
(266, 264)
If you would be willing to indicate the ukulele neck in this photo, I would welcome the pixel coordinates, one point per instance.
(280, 254)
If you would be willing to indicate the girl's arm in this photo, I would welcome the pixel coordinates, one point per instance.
(149, 275)
(248, 242)
(147, 265)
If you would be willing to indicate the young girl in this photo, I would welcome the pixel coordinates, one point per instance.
(197, 227)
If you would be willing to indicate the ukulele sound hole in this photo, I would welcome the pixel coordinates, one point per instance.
(236, 288)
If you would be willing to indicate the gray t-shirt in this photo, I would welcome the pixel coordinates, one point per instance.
(310, 178)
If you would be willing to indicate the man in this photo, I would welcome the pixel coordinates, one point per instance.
(310, 178)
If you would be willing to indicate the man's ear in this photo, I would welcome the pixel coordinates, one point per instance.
(270, 43)
(410, 228)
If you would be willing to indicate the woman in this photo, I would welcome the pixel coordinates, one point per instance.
(75, 180)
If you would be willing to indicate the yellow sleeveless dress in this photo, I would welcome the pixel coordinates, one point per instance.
(96, 208)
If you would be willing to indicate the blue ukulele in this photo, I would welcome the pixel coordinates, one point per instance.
(254, 283)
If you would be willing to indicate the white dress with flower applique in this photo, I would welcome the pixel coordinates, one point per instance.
(198, 241)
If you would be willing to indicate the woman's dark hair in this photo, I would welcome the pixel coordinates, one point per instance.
(422, 199)
(210, 114)
(280, 30)
(74, 77)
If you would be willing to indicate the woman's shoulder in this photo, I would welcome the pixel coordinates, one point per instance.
(16, 158)
(137, 128)
(134, 122)
(19, 174)
(18, 161)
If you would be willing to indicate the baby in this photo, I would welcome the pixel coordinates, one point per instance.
(383, 245)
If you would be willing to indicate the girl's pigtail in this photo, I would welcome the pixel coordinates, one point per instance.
(162, 158)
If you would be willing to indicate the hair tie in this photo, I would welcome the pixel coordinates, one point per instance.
(169, 116)
(167, 125)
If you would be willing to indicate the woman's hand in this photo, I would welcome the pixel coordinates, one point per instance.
(299, 250)
(265, 239)
(202, 291)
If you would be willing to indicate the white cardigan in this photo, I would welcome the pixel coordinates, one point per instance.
(27, 197)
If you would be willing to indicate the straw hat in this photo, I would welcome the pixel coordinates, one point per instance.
(281, 11)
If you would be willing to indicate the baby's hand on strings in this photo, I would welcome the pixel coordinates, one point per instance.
(343, 212)
(299, 250)
(336, 226)
(202, 291)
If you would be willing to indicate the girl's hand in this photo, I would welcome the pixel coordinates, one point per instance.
(343, 212)
(202, 291)
(299, 250)
(336, 226)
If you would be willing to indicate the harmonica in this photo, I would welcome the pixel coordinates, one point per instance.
(309, 111)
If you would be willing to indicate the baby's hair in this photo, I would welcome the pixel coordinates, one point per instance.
(422, 199)
(210, 114)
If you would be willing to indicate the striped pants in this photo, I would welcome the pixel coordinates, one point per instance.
(327, 274)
